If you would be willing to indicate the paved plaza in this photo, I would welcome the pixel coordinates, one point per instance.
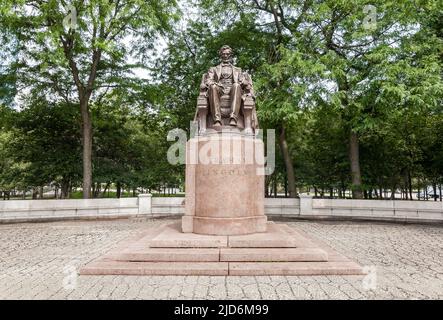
(41, 260)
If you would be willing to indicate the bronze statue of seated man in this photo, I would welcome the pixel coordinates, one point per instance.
(226, 84)
(225, 79)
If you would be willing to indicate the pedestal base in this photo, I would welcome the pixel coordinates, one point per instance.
(229, 226)
(224, 185)
(167, 251)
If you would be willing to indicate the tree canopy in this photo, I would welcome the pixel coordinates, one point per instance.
(354, 90)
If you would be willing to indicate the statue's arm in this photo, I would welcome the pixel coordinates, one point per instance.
(210, 79)
(247, 85)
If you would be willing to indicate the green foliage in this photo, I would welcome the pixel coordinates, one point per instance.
(319, 74)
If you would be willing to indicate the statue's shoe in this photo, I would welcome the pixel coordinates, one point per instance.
(217, 125)
(233, 122)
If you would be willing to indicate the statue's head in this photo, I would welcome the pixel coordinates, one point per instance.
(225, 54)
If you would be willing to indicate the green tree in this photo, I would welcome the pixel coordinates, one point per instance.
(325, 54)
(48, 140)
(83, 50)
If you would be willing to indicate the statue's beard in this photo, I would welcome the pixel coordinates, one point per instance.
(228, 60)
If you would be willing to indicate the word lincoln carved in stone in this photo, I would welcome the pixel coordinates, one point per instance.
(229, 172)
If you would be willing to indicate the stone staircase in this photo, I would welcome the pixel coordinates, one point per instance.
(167, 251)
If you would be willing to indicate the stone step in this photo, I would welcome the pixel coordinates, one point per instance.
(155, 268)
(272, 254)
(222, 268)
(172, 237)
(275, 237)
(177, 253)
(171, 254)
(223, 254)
(294, 268)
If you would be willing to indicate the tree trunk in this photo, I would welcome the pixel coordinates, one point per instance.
(342, 189)
(394, 187)
(354, 157)
(410, 184)
(288, 163)
(286, 187)
(87, 148)
(93, 189)
(105, 189)
(64, 189)
(267, 182)
(97, 187)
(119, 189)
(275, 187)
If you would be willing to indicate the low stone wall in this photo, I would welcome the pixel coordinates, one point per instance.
(46, 210)
(144, 205)
(168, 206)
(282, 206)
(176, 206)
(393, 210)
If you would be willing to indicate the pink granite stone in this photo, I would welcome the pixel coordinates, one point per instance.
(294, 268)
(193, 254)
(272, 254)
(172, 237)
(228, 191)
(170, 254)
(229, 226)
(155, 268)
(187, 224)
(140, 240)
(274, 237)
(224, 181)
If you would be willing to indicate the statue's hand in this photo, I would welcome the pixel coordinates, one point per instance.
(245, 83)
(211, 83)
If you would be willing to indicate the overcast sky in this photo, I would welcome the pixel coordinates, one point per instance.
(189, 13)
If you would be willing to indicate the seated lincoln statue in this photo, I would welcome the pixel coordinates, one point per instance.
(226, 97)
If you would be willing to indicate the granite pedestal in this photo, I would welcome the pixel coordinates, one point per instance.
(224, 230)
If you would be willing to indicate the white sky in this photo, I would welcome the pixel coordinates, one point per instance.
(189, 13)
